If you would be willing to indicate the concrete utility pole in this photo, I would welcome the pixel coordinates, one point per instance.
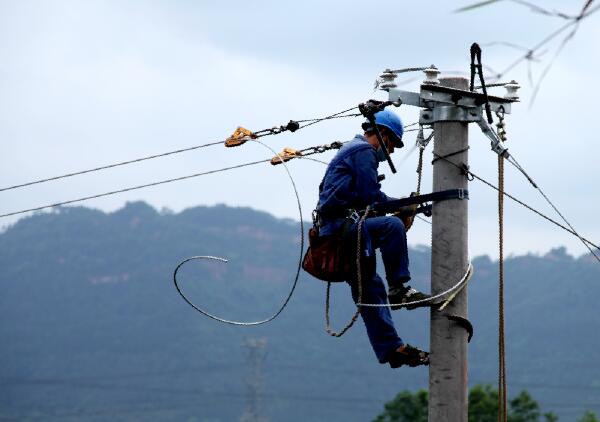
(449, 260)
(449, 107)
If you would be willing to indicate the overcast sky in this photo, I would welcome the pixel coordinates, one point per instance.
(90, 83)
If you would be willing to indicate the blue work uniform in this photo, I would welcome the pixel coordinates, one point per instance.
(350, 182)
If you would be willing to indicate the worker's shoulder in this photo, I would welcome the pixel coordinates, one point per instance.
(355, 145)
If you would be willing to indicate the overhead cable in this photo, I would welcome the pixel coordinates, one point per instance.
(260, 133)
(514, 162)
(470, 173)
(122, 163)
(162, 182)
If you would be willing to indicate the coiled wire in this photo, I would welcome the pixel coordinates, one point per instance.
(216, 258)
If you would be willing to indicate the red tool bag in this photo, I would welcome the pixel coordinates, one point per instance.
(333, 257)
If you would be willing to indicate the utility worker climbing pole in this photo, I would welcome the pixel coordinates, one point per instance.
(351, 183)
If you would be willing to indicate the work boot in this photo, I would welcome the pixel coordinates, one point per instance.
(408, 355)
(400, 296)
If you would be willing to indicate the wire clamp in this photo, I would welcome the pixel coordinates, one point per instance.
(286, 155)
(239, 137)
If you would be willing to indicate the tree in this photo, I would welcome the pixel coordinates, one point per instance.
(483, 404)
(406, 407)
(589, 417)
(483, 407)
(524, 408)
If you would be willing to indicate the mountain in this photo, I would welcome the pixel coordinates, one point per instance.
(93, 328)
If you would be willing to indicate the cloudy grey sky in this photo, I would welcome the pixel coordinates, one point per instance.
(90, 83)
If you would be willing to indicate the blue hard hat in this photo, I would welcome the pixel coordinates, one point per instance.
(392, 122)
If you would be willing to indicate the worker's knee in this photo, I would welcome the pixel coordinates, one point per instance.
(394, 225)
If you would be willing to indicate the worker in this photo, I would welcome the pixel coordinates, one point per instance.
(351, 183)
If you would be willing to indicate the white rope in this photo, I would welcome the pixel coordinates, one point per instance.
(464, 280)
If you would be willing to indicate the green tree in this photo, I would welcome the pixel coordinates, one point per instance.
(483, 404)
(406, 407)
(483, 407)
(589, 417)
(524, 408)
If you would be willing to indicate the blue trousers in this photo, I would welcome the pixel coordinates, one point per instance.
(389, 236)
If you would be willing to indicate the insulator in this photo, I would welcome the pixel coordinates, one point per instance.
(511, 90)
(431, 75)
(387, 80)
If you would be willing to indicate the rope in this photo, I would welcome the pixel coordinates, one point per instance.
(358, 282)
(465, 279)
(501, 347)
(289, 296)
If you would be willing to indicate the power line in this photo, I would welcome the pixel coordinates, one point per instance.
(468, 171)
(513, 161)
(260, 134)
(122, 163)
(162, 182)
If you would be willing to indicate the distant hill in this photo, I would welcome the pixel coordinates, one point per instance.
(93, 329)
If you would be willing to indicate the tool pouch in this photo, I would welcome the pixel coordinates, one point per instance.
(326, 257)
(332, 258)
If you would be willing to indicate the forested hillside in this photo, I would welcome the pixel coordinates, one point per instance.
(92, 327)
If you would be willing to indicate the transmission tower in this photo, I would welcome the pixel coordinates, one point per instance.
(255, 357)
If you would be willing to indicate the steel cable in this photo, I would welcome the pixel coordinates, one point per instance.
(514, 162)
(273, 131)
(518, 201)
(122, 163)
(162, 182)
(294, 284)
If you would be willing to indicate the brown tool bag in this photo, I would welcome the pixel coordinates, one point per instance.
(327, 257)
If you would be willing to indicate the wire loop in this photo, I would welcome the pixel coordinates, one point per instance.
(295, 283)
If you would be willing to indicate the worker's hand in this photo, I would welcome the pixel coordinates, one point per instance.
(407, 214)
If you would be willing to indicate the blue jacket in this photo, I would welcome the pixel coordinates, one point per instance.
(350, 182)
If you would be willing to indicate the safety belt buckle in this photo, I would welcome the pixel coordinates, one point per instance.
(354, 216)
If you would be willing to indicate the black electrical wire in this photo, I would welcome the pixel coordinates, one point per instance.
(468, 172)
(511, 159)
(162, 182)
(122, 163)
(268, 132)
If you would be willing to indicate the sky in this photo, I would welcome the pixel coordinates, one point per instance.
(85, 84)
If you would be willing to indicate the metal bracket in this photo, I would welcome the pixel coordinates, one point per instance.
(462, 98)
(463, 322)
(432, 95)
(449, 113)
